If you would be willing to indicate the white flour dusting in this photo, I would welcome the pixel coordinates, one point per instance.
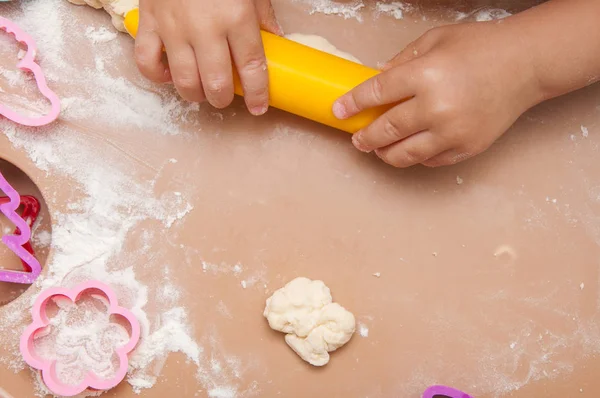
(221, 374)
(363, 330)
(394, 9)
(100, 35)
(89, 233)
(347, 10)
(491, 15)
(170, 336)
(13, 77)
(108, 199)
(41, 238)
(99, 89)
(81, 337)
(483, 15)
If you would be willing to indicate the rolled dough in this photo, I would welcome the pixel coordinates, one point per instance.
(322, 44)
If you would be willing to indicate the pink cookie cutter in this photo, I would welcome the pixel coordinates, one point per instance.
(444, 392)
(15, 242)
(48, 368)
(28, 63)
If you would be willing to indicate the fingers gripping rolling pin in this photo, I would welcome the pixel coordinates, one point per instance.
(304, 81)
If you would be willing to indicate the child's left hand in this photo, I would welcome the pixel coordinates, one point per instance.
(461, 87)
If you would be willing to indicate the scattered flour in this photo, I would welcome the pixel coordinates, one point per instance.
(347, 10)
(109, 198)
(394, 9)
(222, 268)
(222, 392)
(584, 131)
(13, 77)
(81, 337)
(88, 234)
(483, 15)
(41, 238)
(100, 35)
(491, 15)
(363, 330)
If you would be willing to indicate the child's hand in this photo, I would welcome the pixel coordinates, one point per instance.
(202, 39)
(463, 86)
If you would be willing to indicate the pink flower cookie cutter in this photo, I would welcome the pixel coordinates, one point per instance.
(48, 367)
(444, 392)
(28, 64)
(15, 242)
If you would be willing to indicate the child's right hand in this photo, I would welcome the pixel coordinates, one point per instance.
(458, 89)
(203, 39)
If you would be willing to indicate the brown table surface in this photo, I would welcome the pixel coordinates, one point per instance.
(490, 286)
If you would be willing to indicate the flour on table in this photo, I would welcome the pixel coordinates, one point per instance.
(116, 8)
(81, 337)
(491, 14)
(483, 15)
(346, 9)
(321, 44)
(100, 35)
(313, 323)
(108, 198)
(394, 9)
(363, 330)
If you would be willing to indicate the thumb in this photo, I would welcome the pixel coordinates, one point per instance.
(266, 17)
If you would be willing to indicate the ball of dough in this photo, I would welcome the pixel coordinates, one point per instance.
(314, 325)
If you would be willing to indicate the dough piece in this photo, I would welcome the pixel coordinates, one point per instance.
(315, 326)
(116, 8)
(321, 43)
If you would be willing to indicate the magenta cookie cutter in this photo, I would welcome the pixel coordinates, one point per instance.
(444, 392)
(28, 64)
(48, 367)
(15, 242)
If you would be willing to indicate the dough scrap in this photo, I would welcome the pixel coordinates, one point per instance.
(116, 8)
(322, 44)
(314, 325)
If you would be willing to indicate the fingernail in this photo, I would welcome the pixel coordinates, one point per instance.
(357, 142)
(259, 110)
(339, 110)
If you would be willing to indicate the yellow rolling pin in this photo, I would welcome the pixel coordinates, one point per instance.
(304, 81)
